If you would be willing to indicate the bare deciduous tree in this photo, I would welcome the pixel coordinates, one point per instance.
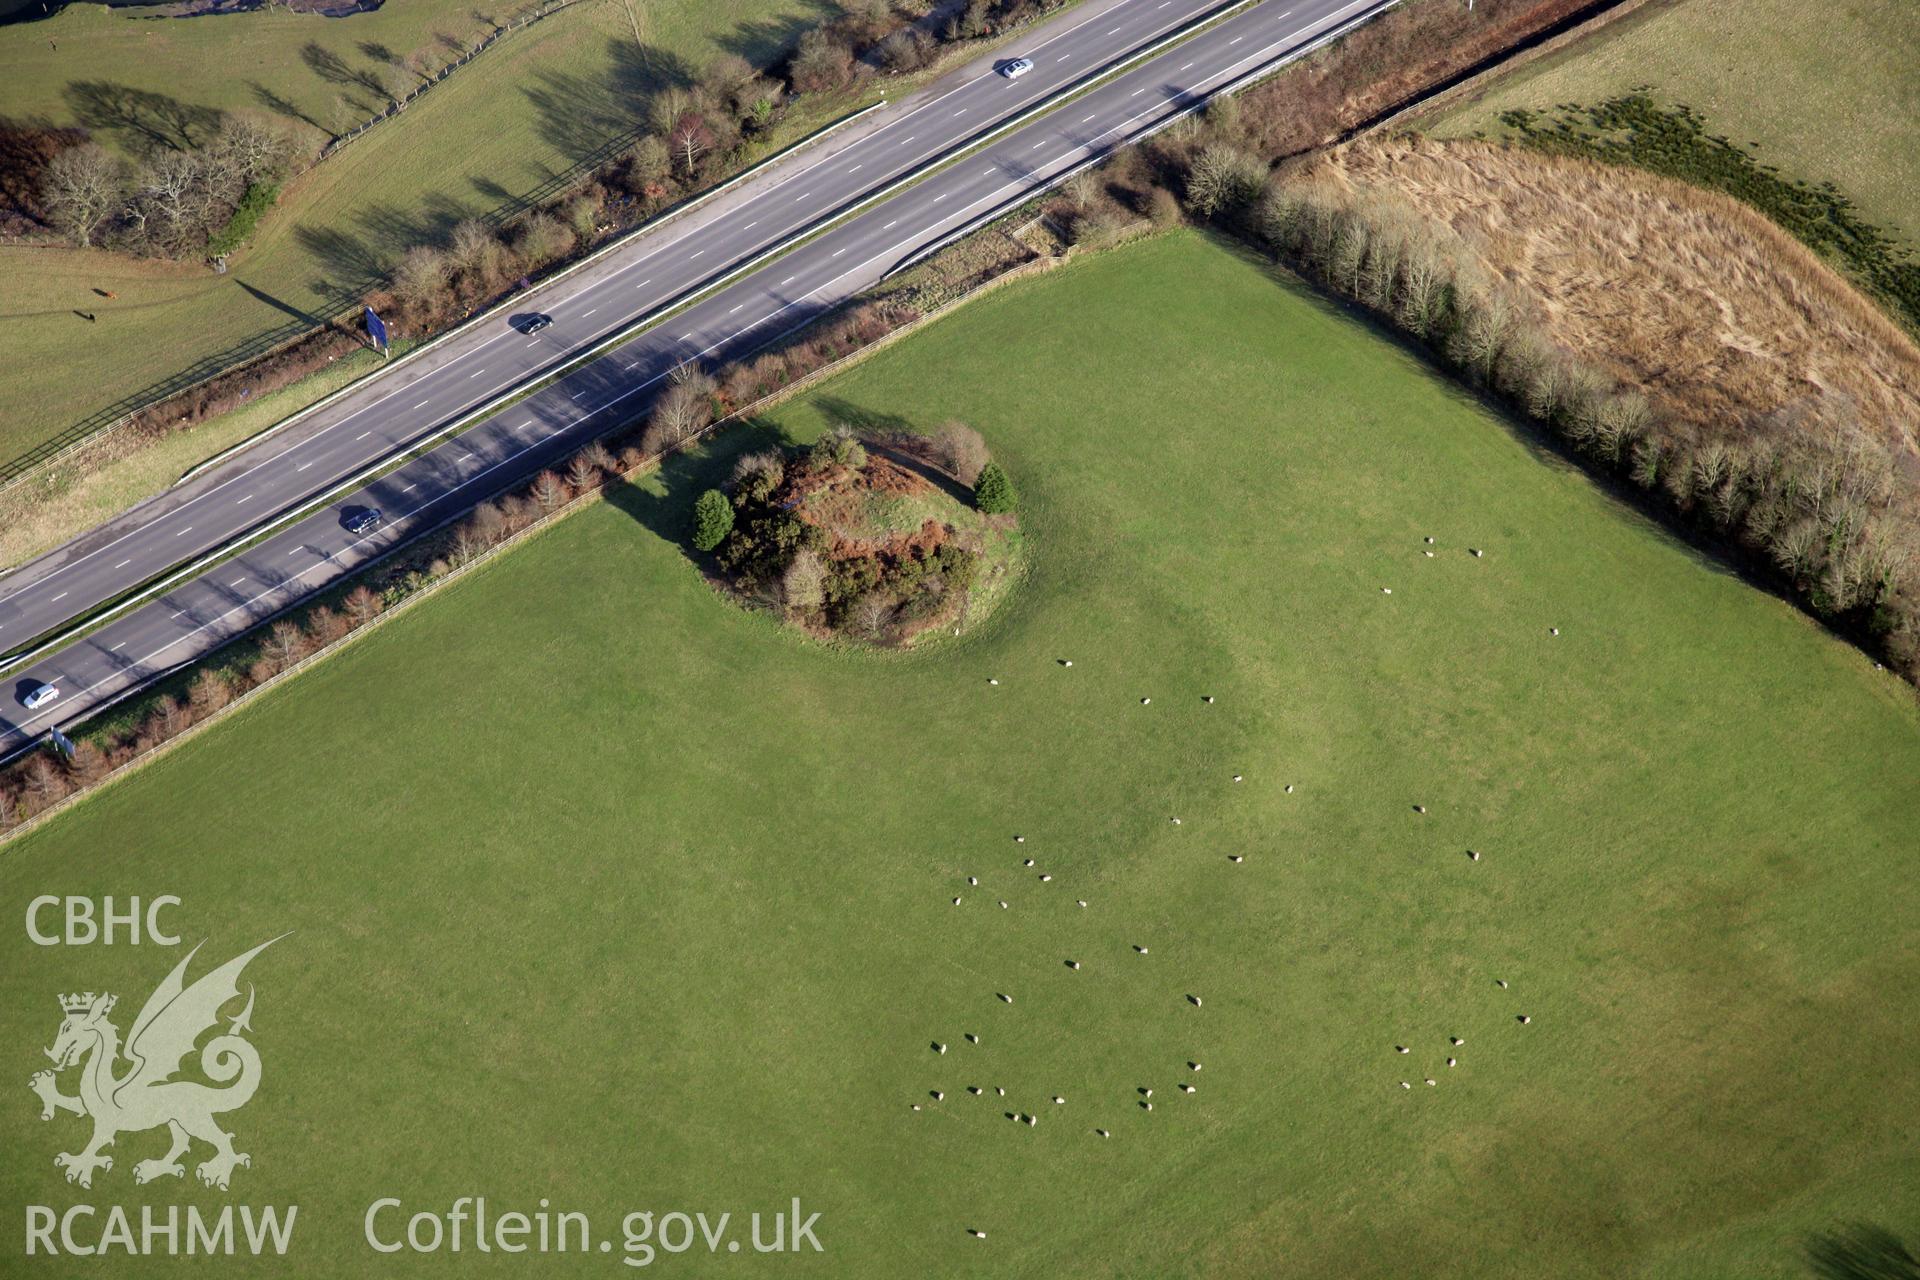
(82, 187)
(362, 606)
(549, 491)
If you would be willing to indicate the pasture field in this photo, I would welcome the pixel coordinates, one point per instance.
(607, 891)
(1828, 92)
(524, 111)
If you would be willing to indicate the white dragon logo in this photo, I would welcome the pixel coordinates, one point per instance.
(147, 1096)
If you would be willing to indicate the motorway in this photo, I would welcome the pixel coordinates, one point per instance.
(387, 416)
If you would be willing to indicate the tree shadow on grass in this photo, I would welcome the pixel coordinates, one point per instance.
(336, 70)
(581, 114)
(146, 121)
(1861, 1251)
(763, 40)
(661, 501)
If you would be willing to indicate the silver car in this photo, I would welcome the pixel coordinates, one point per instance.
(40, 695)
(1017, 68)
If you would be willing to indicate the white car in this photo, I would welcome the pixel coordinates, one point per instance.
(40, 695)
(1017, 68)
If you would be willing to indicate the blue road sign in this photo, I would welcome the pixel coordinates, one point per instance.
(376, 329)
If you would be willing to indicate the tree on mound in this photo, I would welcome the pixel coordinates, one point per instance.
(993, 492)
(855, 536)
(712, 520)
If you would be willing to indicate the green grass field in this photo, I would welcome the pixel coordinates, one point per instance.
(522, 112)
(1828, 92)
(610, 892)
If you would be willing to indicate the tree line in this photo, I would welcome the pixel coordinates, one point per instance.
(178, 202)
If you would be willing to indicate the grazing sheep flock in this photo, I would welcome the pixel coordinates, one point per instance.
(1145, 1093)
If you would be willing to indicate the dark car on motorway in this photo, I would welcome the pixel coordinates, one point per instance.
(365, 520)
(533, 323)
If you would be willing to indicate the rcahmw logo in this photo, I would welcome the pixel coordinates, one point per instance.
(147, 1093)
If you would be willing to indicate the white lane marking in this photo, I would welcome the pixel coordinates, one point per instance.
(123, 564)
(1236, 40)
(1114, 32)
(176, 617)
(236, 582)
(1036, 146)
(909, 138)
(696, 253)
(649, 280)
(1187, 67)
(686, 337)
(465, 457)
(241, 502)
(802, 196)
(1136, 93)
(523, 426)
(421, 405)
(857, 168)
(476, 373)
(962, 111)
(837, 252)
(534, 343)
(751, 225)
(585, 314)
(296, 551)
(57, 599)
(890, 226)
(303, 466)
(188, 529)
(789, 280)
(410, 488)
(1084, 119)
(1063, 57)
(942, 196)
(363, 435)
(117, 648)
(576, 395)
(736, 308)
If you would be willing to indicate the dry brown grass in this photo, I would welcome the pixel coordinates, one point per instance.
(1713, 312)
